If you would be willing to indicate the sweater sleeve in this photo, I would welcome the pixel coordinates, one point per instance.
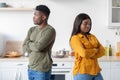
(46, 38)
(78, 47)
(25, 46)
(100, 52)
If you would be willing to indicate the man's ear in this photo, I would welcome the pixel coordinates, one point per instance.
(44, 17)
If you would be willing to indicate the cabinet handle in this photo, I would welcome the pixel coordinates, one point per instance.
(60, 71)
(18, 75)
(20, 64)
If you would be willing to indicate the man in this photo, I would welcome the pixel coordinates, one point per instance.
(38, 44)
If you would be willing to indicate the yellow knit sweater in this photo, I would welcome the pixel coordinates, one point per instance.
(87, 50)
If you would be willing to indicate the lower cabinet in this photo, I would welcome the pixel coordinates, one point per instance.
(72, 71)
(22, 72)
(18, 70)
(110, 70)
(13, 71)
(106, 72)
(8, 74)
(115, 70)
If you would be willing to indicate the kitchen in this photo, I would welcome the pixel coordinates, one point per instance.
(62, 16)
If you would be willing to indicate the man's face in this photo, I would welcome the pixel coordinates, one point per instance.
(38, 18)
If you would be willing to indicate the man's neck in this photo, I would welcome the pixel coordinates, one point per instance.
(42, 25)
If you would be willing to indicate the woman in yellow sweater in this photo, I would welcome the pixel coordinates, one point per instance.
(87, 50)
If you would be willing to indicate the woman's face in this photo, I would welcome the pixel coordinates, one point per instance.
(85, 26)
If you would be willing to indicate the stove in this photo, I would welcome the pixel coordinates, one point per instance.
(61, 71)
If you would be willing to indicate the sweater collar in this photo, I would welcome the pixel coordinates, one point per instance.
(82, 35)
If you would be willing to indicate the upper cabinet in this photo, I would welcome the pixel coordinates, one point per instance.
(18, 5)
(114, 14)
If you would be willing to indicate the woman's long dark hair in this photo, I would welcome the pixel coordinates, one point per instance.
(78, 21)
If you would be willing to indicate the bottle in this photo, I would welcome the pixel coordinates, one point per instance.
(110, 50)
(107, 48)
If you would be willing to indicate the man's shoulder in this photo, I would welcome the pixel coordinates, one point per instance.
(32, 28)
(49, 27)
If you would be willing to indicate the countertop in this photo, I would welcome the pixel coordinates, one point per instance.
(66, 59)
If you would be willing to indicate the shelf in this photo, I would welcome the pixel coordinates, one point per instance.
(116, 7)
(16, 9)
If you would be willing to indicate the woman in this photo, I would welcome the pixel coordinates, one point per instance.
(87, 50)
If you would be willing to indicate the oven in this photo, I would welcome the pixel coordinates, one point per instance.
(61, 71)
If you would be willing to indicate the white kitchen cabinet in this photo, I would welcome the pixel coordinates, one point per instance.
(72, 70)
(115, 70)
(21, 73)
(114, 13)
(13, 71)
(7, 71)
(105, 66)
(0, 74)
(8, 74)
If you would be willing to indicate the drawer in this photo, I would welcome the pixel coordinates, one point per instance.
(104, 65)
(115, 65)
(13, 64)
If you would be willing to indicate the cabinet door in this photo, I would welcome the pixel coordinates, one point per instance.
(8, 71)
(8, 74)
(105, 70)
(0, 73)
(13, 71)
(115, 70)
(72, 71)
(23, 73)
(114, 13)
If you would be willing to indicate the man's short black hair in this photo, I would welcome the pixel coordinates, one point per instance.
(44, 9)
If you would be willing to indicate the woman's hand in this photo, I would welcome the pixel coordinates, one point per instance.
(96, 51)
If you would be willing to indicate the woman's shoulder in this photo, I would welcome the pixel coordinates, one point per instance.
(92, 35)
(79, 35)
(75, 37)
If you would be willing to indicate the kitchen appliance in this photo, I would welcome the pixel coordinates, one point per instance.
(61, 71)
(59, 54)
(3, 4)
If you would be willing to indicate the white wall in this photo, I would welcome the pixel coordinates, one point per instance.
(15, 24)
